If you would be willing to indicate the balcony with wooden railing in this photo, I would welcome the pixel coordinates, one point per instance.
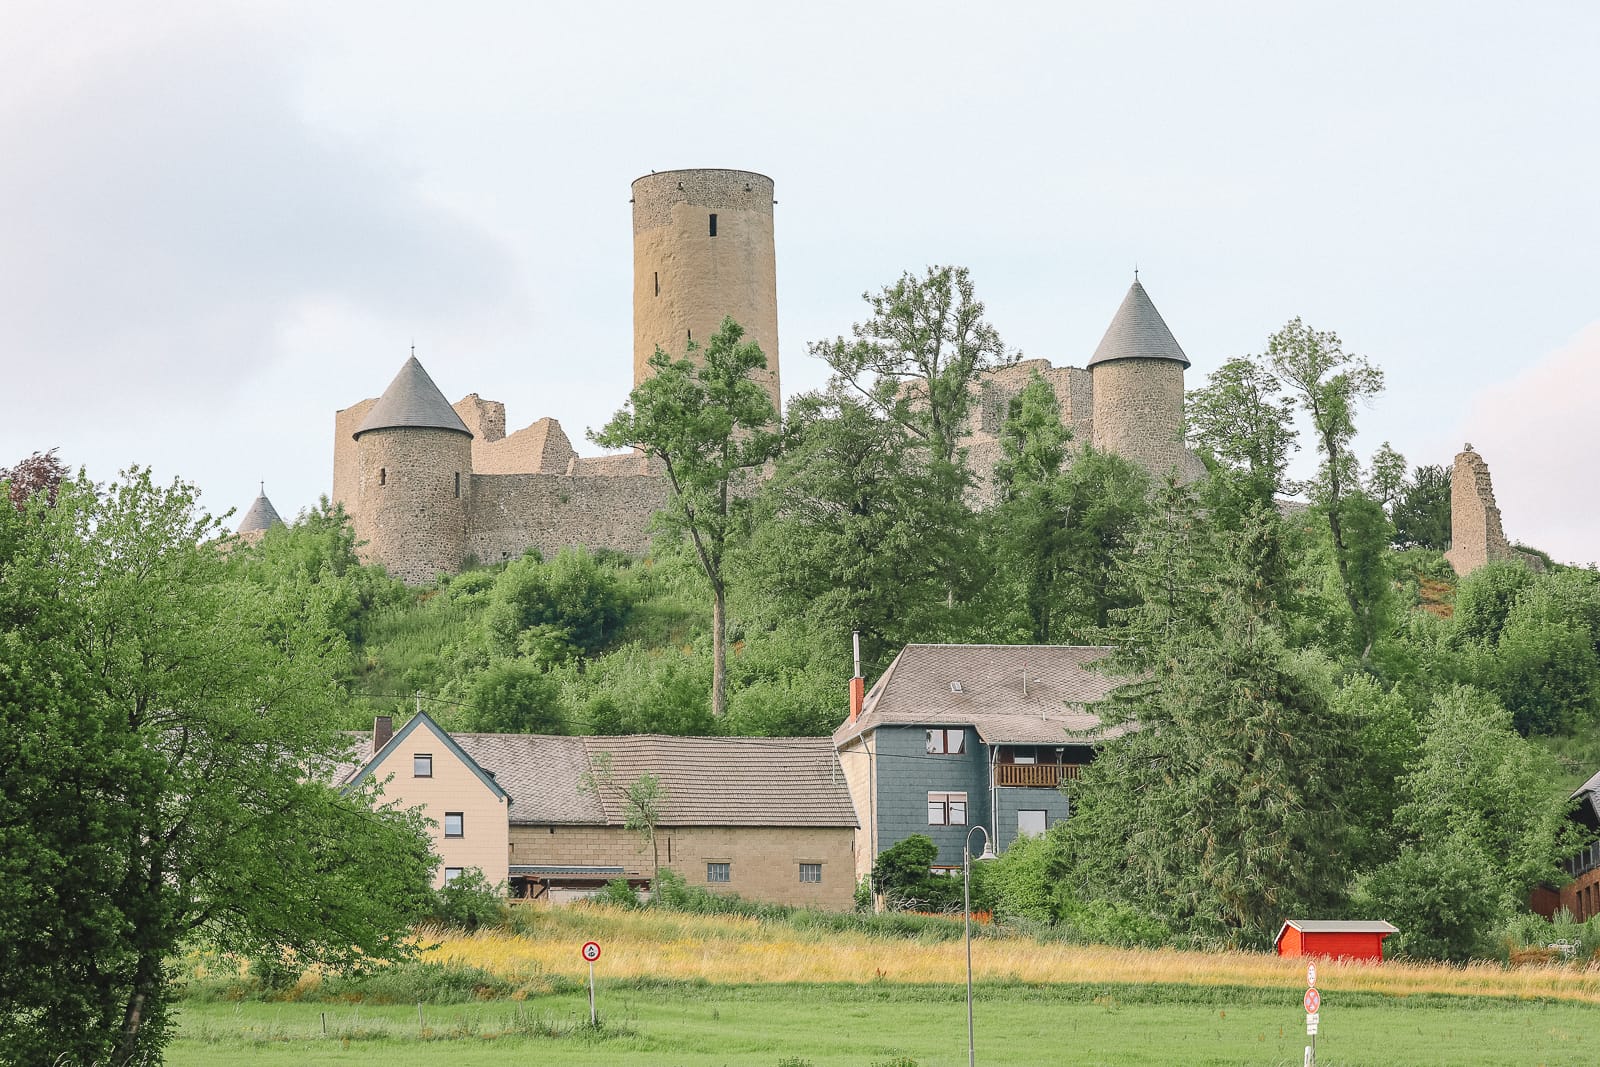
(1036, 775)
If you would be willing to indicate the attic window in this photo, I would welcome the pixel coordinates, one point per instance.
(955, 687)
(422, 765)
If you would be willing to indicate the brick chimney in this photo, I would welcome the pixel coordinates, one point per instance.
(858, 684)
(382, 730)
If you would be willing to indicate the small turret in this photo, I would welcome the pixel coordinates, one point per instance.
(261, 517)
(414, 479)
(1138, 390)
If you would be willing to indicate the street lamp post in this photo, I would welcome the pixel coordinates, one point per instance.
(966, 916)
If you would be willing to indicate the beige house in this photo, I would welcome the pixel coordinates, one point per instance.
(769, 818)
(423, 767)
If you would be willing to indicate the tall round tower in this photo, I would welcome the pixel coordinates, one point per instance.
(1138, 390)
(414, 479)
(702, 249)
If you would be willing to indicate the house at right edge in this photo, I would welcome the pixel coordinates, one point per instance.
(954, 736)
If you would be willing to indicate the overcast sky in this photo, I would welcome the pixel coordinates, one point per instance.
(221, 223)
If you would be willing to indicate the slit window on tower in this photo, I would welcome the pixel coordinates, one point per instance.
(458, 485)
(383, 475)
(658, 283)
(713, 225)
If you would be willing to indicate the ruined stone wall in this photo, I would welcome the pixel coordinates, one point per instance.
(1476, 537)
(345, 477)
(514, 512)
(1138, 414)
(991, 403)
(413, 489)
(685, 279)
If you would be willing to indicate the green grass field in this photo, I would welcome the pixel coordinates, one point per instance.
(880, 1024)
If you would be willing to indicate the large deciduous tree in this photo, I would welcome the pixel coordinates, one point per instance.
(712, 428)
(1243, 422)
(166, 740)
(915, 359)
(40, 472)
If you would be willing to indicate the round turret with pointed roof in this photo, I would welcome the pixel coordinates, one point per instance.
(1138, 331)
(412, 401)
(261, 517)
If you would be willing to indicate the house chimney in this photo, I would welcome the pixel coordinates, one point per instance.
(858, 685)
(382, 730)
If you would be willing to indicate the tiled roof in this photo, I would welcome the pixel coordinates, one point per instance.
(733, 781)
(708, 781)
(261, 517)
(1012, 694)
(1138, 332)
(412, 400)
(542, 773)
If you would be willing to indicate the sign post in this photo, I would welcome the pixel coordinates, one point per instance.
(1313, 1006)
(591, 952)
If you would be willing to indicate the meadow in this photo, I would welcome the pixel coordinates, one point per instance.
(697, 991)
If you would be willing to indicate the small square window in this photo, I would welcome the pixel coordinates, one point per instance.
(452, 824)
(422, 765)
(947, 809)
(811, 872)
(451, 874)
(1032, 822)
(719, 872)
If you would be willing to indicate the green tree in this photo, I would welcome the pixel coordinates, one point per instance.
(916, 358)
(1244, 423)
(1484, 600)
(1480, 825)
(552, 611)
(515, 697)
(642, 801)
(858, 531)
(1221, 811)
(1421, 516)
(1386, 483)
(1327, 383)
(1059, 530)
(167, 730)
(711, 427)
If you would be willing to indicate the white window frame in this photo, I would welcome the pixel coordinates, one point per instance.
(719, 867)
(812, 869)
(943, 807)
(1044, 821)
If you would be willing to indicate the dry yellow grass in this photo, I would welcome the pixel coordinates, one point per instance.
(735, 950)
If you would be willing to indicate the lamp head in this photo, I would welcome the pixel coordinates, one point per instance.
(988, 854)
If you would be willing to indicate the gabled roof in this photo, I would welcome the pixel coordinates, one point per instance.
(412, 400)
(1138, 331)
(708, 781)
(1336, 926)
(1011, 694)
(1588, 797)
(261, 517)
(422, 723)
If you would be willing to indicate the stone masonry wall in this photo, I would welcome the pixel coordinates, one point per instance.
(991, 404)
(1476, 537)
(763, 862)
(685, 280)
(1138, 414)
(408, 507)
(514, 512)
(346, 479)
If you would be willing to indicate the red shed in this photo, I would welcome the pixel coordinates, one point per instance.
(1342, 938)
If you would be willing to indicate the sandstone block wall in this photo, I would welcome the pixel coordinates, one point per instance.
(514, 512)
(346, 479)
(764, 862)
(991, 404)
(685, 280)
(408, 507)
(1476, 537)
(1138, 414)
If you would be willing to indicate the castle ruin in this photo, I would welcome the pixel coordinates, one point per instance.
(433, 486)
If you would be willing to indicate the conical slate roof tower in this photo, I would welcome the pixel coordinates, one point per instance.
(261, 517)
(1138, 331)
(1138, 390)
(412, 401)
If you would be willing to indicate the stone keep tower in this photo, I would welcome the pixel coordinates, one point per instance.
(413, 479)
(703, 249)
(1138, 390)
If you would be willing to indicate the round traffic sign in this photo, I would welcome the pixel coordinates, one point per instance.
(1311, 974)
(1313, 1001)
(591, 950)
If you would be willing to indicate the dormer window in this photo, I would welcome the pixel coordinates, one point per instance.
(955, 687)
